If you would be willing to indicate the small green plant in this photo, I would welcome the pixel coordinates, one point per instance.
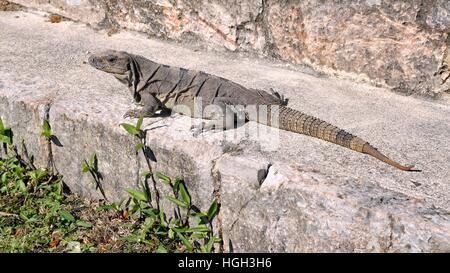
(174, 234)
(32, 209)
(37, 215)
(6, 137)
(47, 130)
(48, 134)
(169, 234)
(92, 168)
(136, 131)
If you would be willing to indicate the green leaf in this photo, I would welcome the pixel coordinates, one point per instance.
(148, 223)
(151, 212)
(199, 214)
(164, 178)
(131, 129)
(185, 241)
(134, 209)
(138, 195)
(2, 126)
(83, 224)
(176, 186)
(85, 168)
(93, 160)
(177, 201)
(37, 174)
(4, 177)
(162, 216)
(210, 244)
(66, 216)
(161, 249)
(161, 233)
(171, 234)
(18, 170)
(199, 228)
(6, 136)
(145, 174)
(139, 122)
(139, 146)
(22, 186)
(213, 210)
(58, 188)
(180, 230)
(184, 194)
(199, 235)
(5, 139)
(46, 129)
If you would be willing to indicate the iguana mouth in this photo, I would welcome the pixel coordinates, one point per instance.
(96, 63)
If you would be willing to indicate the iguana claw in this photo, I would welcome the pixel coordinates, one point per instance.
(197, 129)
(133, 113)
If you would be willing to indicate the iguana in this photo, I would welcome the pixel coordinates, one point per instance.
(157, 87)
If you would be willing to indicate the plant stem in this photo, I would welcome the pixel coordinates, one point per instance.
(5, 148)
(94, 174)
(175, 194)
(150, 169)
(27, 156)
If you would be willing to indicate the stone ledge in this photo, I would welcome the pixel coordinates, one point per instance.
(401, 45)
(316, 196)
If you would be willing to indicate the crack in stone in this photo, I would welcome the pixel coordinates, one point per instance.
(391, 233)
(50, 161)
(262, 174)
(240, 211)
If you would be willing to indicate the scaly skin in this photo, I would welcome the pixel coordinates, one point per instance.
(298, 122)
(157, 86)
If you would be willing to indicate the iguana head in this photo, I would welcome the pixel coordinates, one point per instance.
(111, 61)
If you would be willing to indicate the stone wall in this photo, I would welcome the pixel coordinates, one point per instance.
(400, 44)
(279, 191)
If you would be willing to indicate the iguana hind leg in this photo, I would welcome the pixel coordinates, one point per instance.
(219, 116)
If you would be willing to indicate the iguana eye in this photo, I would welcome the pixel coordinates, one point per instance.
(111, 58)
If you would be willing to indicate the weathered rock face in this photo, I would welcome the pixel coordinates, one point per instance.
(280, 212)
(278, 191)
(399, 43)
(403, 45)
(8, 6)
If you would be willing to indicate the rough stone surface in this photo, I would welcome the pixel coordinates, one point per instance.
(298, 209)
(316, 197)
(8, 6)
(398, 44)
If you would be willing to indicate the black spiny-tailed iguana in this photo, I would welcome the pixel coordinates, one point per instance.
(155, 87)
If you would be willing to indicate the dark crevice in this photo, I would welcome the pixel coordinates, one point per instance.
(238, 216)
(262, 174)
(50, 160)
(391, 233)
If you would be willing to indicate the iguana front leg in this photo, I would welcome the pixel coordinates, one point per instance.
(149, 105)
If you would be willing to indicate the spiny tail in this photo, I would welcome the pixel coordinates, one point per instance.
(298, 122)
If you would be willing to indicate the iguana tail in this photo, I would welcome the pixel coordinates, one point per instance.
(298, 122)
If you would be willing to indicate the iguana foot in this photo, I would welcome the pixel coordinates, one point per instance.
(203, 127)
(136, 113)
(197, 129)
(284, 101)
